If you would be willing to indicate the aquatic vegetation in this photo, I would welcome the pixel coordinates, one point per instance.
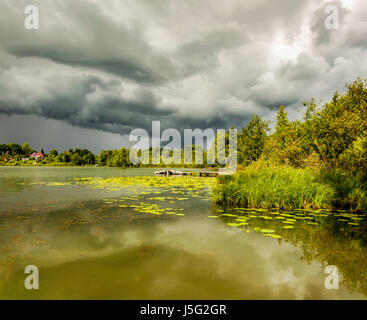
(274, 236)
(288, 222)
(265, 224)
(151, 188)
(145, 185)
(280, 188)
(267, 231)
(233, 224)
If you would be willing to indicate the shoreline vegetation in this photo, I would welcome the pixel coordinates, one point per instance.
(277, 188)
(317, 163)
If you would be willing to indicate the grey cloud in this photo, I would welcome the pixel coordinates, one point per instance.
(202, 53)
(357, 37)
(264, 18)
(91, 102)
(330, 44)
(304, 68)
(322, 35)
(78, 33)
(70, 98)
(115, 66)
(48, 134)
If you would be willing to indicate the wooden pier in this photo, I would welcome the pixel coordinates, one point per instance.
(197, 173)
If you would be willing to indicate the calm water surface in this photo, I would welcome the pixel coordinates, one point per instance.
(99, 233)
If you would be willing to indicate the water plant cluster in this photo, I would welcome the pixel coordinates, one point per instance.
(151, 195)
(273, 224)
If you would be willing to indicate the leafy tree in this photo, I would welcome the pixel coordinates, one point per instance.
(284, 146)
(252, 140)
(340, 122)
(26, 149)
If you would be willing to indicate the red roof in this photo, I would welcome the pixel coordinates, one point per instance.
(36, 155)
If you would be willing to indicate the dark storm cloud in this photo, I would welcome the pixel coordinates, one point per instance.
(49, 134)
(76, 100)
(78, 33)
(118, 65)
(91, 102)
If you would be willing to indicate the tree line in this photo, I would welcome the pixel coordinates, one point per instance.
(330, 136)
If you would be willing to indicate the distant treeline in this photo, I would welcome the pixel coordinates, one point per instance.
(15, 154)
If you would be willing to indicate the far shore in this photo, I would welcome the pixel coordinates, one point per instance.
(60, 165)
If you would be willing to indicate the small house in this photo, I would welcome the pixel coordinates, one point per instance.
(37, 155)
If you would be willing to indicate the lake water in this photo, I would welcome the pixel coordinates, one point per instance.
(101, 233)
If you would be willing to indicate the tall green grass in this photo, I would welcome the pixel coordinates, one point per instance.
(281, 187)
(350, 189)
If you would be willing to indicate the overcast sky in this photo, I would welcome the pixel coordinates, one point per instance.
(95, 70)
